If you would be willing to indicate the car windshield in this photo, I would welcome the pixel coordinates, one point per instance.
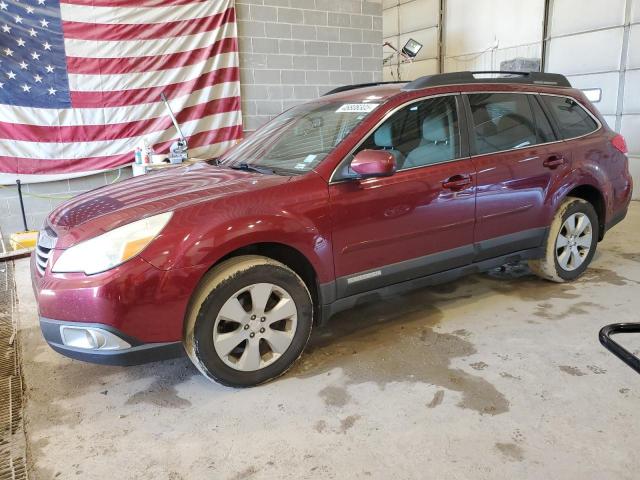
(299, 139)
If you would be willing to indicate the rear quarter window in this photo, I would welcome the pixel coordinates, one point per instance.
(573, 120)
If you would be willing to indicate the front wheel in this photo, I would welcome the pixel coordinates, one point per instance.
(248, 322)
(570, 243)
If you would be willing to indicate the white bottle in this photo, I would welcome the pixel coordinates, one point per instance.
(144, 152)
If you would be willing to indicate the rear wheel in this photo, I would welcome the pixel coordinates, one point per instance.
(249, 321)
(571, 242)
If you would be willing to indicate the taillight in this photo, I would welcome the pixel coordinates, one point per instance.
(619, 143)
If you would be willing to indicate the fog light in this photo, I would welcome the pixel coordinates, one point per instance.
(90, 338)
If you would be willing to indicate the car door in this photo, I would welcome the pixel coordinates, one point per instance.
(517, 159)
(416, 222)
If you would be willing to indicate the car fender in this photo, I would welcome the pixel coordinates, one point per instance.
(209, 239)
(589, 175)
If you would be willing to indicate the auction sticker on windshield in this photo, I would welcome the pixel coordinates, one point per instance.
(357, 107)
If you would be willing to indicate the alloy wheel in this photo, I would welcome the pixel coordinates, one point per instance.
(255, 326)
(574, 241)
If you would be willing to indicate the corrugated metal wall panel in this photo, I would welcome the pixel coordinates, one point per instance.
(572, 16)
(584, 53)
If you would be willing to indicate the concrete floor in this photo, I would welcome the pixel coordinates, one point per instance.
(493, 376)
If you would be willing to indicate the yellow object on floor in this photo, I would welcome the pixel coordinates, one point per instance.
(20, 240)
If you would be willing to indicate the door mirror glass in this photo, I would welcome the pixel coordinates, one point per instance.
(373, 163)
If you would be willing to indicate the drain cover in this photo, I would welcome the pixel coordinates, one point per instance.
(12, 438)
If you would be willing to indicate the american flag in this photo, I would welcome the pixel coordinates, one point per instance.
(80, 81)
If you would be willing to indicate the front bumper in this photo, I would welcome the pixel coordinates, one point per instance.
(135, 298)
(134, 353)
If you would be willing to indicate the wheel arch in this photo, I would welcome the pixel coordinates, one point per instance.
(596, 198)
(287, 255)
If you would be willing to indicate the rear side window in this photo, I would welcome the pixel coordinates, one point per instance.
(503, 121)
(573, 120)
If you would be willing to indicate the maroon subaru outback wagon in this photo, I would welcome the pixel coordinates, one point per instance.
(368, 191)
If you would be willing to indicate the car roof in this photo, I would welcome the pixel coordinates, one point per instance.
(357, 93)
(385, 90)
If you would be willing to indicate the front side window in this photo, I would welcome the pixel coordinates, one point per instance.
(503, 121)
(299, 139)
(573, 120)
(420, 134)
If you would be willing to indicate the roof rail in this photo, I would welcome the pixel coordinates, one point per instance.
(345, 88)
(530, 78)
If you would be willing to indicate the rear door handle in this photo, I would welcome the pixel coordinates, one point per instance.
(554, 161)
(457, 182)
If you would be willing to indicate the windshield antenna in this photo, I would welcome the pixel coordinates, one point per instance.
(179, 148)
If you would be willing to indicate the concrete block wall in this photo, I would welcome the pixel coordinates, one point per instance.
(296, 50)
(290, 51)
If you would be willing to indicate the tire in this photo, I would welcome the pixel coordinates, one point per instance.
(565, 262)
(226, 310)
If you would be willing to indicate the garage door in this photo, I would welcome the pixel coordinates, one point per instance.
(417, 19)
(601, 51)
(480, 35)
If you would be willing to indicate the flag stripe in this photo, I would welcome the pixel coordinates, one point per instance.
(223, 137)
(144, 48)
(130, 3)
(118, 31)
(116, 66)
(73, 149)
(114, 131)
(196, 153)
(133, 81)
(120, 114)
(148, 95)
(138, 14)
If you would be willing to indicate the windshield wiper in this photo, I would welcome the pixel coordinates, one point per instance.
(252, 168)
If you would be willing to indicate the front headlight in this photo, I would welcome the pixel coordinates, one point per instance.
(112, 248)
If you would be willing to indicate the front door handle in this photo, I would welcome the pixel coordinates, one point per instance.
(457, 182)
(554, 161)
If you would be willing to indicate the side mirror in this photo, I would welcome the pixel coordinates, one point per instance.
(374, 163)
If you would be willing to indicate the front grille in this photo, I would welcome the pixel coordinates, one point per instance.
(46, 241)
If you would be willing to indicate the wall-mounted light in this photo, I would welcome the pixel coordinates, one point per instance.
(411, 48)
(406, 55)
(593, 94)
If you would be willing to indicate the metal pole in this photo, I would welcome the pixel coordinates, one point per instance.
(398, 40)
(545, 32)
(622, 76)
(24, 217)
(441, 46)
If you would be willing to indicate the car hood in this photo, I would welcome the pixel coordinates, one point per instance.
(109, 207)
